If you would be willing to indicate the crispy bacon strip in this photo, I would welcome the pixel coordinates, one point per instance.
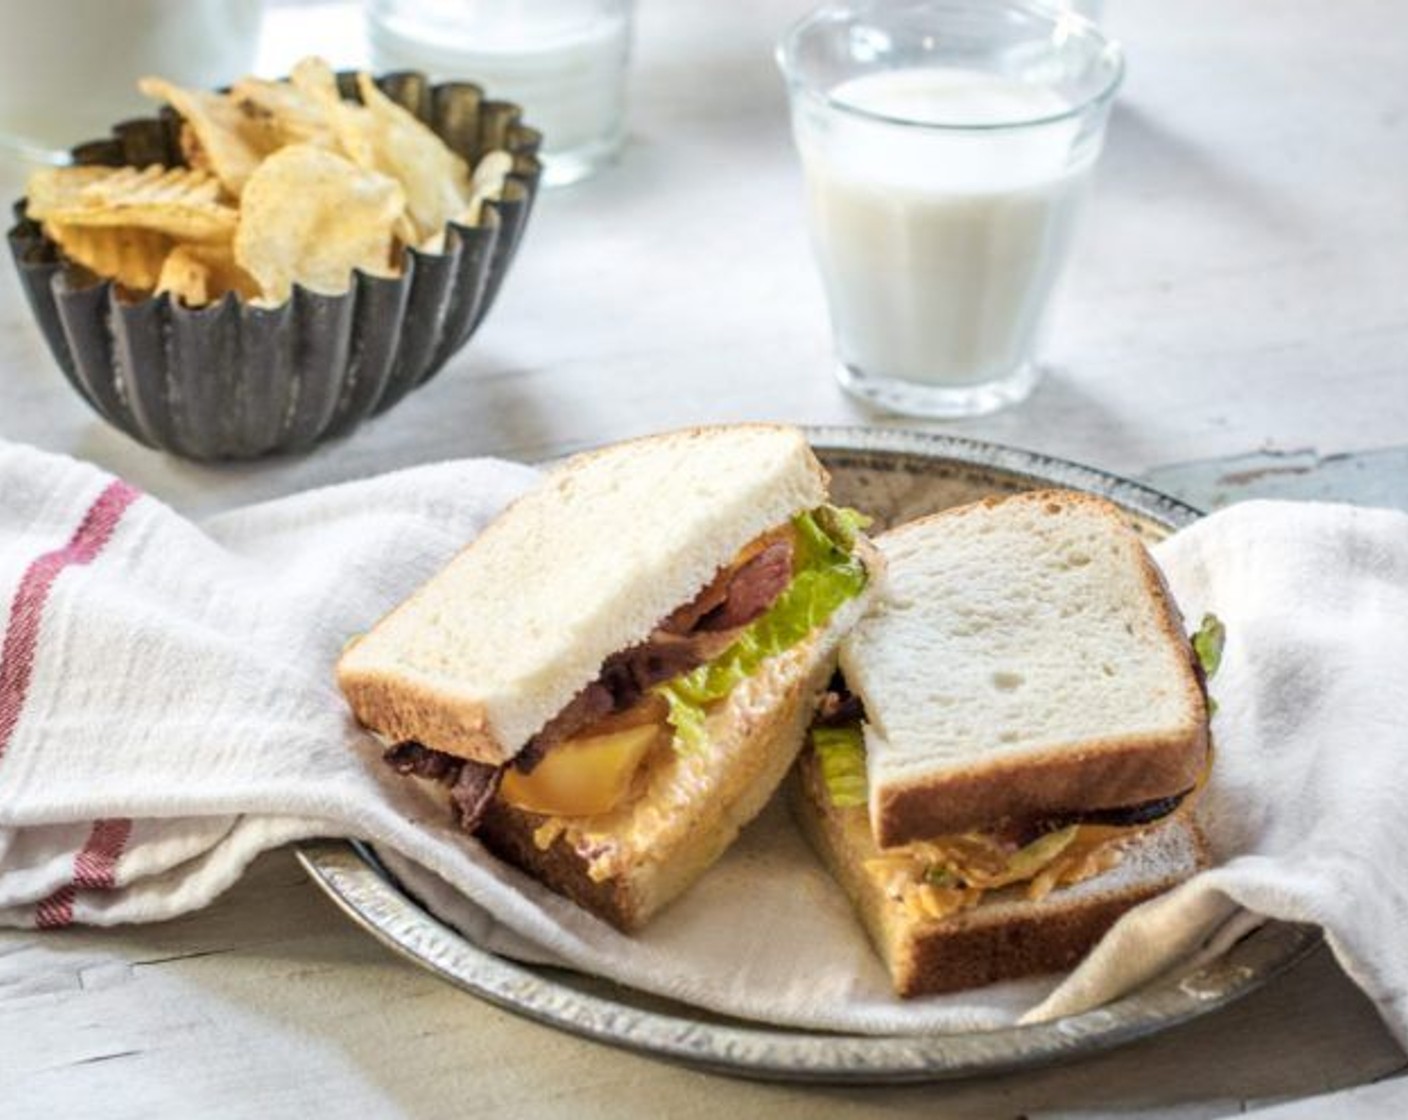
(472, 784)
(689, 637)
(473, 790)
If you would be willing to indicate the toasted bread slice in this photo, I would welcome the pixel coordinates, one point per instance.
(583, 566)
(1007, 935)
(1027, 659)
(626, 865)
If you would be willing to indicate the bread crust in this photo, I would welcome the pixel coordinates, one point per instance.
(651, 878)
(1103, 774)
(399, 704)
(1092, 774)
(401, 707)
(996, 940)
(508, 833)
(949, 957)
(762, 725)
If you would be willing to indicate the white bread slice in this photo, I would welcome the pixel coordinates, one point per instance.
(626, 865)
(1026, 659)
(1006, 936)
(583, 566)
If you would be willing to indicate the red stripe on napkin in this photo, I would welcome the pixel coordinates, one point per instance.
(56, 910)
(27, 609)
(94, 868)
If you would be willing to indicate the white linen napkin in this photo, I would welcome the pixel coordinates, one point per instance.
(167, 711)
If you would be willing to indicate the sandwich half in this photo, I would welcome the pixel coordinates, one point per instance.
(617, 673)
(1008, 759)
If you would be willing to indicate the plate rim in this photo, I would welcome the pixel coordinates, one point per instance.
(352, 876)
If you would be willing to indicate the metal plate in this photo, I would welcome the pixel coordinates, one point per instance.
(896, 476)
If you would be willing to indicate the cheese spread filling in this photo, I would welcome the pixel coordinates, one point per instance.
(940, 877)
(662, 749)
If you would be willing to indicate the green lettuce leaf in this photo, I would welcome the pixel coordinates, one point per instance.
(1207, 647)
(841, 525)
(937, 875)
(1028, 861)
(840, 751)
(1208, 643)
(825, 576)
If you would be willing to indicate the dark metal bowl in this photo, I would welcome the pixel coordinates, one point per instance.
(237, 381)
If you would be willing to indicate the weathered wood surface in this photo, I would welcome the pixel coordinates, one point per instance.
(1235, 325)
(271, 1004)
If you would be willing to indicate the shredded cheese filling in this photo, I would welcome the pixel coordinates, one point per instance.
(937, 878)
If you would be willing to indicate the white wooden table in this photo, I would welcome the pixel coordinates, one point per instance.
(1236, 322)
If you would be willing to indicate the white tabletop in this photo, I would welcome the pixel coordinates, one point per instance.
(1235, 322)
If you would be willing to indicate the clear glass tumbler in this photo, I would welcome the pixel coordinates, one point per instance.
(564, 61)
(69, 68)
(945, 145)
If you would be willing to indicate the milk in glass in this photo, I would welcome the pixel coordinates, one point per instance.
(563, 61)
(938, 239)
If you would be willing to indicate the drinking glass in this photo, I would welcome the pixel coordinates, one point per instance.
(945, 146)
(69, 68)
(563, 61)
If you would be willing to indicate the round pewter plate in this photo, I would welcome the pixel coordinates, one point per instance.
(895, 476)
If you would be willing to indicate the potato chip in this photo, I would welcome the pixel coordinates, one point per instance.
(179, 201)
(57, 188)
(492, 170)
(186, 277)
(230, 140)
(486, 185)
(191, 151)
(396, 143)
(310, 216)
(314, 78)
(337, 186)
(294, 115)
(351, 123)
(179, 186)
(224, 274)
(200, 274)
(132, 257)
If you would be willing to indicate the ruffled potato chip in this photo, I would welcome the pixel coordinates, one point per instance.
(338, 185)
(56, 188)
(310, 217)
(230, 140)
(178, 201)
(131, 257)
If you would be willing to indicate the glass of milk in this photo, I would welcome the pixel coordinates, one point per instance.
(563, 61)
(945, 146)
(69, 68)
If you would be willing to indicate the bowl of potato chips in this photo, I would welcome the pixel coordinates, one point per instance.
(263, 267)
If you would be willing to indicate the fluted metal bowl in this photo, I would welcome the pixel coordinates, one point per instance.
(236, 381)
